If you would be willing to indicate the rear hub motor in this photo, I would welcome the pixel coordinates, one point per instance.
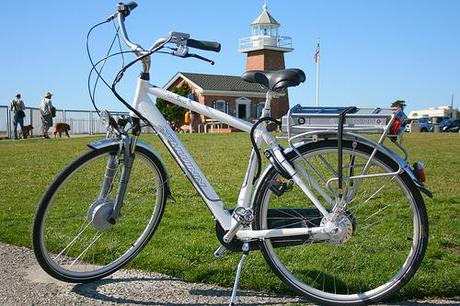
(343, 231)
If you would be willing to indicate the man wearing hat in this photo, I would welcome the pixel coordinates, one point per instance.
(46, 113)
(17, 106)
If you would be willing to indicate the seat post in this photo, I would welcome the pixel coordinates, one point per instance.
(267, 111)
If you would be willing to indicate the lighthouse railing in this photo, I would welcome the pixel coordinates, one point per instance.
(265, 41)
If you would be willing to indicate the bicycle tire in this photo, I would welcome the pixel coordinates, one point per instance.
(64, 214)
(361, 270)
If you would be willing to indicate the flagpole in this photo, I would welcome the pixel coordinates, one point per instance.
(317, 58)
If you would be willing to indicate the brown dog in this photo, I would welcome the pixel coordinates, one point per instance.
(28, 129)
(61, 128)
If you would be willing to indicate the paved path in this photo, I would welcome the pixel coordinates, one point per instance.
(22, 282)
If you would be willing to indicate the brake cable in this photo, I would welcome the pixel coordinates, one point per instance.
(254, 144)
(120, 75)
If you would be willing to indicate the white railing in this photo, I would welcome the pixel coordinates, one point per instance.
(265, 41)
(81, 122)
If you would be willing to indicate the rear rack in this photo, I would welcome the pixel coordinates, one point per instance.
(302, 123)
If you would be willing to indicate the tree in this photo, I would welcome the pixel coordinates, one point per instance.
(399, 103)
(172, 112)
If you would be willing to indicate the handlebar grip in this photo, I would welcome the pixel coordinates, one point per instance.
(204, 45)
(131, 5)
(125, 9)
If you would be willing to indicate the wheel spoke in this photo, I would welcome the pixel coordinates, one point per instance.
(96, 238)
(72, 242)
(357, 208)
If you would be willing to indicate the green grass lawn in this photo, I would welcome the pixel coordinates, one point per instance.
(185, 241)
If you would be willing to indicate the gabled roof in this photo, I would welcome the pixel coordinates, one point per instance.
(213, 82)
(265, 18)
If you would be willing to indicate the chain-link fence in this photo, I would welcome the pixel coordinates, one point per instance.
(81, 122)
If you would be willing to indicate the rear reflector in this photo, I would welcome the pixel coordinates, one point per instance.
(419, 171)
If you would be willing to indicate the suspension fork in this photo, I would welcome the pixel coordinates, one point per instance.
(110, 170)
(128, 151)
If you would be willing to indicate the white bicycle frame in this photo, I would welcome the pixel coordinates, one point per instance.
(144, 104)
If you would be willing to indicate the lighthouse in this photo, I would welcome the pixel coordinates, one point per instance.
(265, 50)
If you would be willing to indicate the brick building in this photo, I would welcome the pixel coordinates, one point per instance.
(265, 50)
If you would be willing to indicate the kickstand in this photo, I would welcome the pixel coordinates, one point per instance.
(245, 249)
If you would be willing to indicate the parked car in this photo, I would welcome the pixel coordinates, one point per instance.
(452, 126)
(445, 122)
(425, 125)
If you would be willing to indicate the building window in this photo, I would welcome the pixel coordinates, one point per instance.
(221, 105)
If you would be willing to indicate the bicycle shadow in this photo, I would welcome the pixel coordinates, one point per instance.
(145, 291)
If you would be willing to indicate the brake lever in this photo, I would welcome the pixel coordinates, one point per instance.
(180, 53)
(200, 58)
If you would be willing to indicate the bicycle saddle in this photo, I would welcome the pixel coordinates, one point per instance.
(277, 80)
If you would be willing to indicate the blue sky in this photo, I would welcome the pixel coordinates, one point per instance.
(372, 52)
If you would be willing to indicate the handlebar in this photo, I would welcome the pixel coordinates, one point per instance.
(182, 40)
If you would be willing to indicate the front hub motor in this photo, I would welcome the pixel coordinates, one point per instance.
(99, 214)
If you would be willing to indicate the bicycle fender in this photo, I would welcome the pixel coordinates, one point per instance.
(108, 142)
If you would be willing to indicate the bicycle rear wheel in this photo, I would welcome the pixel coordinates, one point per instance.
(72, 237)
(386, 222)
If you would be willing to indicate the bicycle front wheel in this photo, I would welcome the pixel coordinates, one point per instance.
(73, 239)
(385, 227)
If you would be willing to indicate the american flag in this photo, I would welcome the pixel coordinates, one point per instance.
(316, 56)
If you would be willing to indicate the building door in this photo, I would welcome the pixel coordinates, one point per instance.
(243, 108)
(242, 111)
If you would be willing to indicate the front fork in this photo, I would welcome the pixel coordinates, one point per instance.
(125, 155)
(129, 146)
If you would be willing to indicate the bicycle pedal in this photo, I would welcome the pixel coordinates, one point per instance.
(220, 251)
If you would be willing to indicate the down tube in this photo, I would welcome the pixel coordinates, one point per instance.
(185, 160)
